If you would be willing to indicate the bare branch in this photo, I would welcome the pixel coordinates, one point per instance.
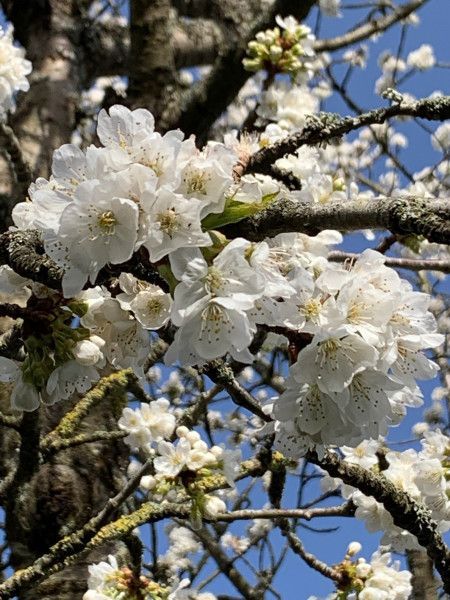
(326, 126)
(344, 510)
(297, 546)
(413, 264)
(369, 28)
(223, 375)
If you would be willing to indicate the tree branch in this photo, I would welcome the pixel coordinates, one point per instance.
(325, 126)
(406, 513)
(297, 546)
(222, 375)
(369, 28)
(413, 264)
(407, 215)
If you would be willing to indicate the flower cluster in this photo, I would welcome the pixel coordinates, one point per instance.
(423, 475)
(284, 49)
(107, 580)
(179, 464)
(369, 330)
(379, 579)
(14, 69)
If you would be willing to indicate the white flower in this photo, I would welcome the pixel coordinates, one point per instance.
(13, 287)
(172, 458)
(173, 221)
(287, 105)
(353, 548)
(330, 8)
(127, 342)
(100, 573)
(210, 304)
(124, 129)
(149, 423)
(89, 352)
(332, 361)
(24, 395)
(149, 303)
(69, 378)
(206, 175)
(97, 227)
(441, 137)
(364, 455)
(214, 506)
(14, 69)
(423, 58)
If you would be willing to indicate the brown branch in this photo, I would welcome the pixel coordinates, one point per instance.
(24, 253)
(194, 43)
(60, 444)
(413, 264)
(222, 375)
(297, 547)
(406, 215)
(22, 170)
(152, 72)
(369, 28)
(424, 584)
(327, 126)
(344, 510)
(75, 545)
(225, 565)
(406, 513)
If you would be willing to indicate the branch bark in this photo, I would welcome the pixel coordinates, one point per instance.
(325, 126)
(404, 216)
(406, 513)
(367, 29)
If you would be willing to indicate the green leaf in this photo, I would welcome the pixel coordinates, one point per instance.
(236, 211)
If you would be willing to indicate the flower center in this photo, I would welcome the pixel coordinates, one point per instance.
(213, 280)
(107, 222)
(311, 308)
(169, 221)
(195, 181)
(154, 306)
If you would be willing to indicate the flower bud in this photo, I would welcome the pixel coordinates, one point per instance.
(214, 506)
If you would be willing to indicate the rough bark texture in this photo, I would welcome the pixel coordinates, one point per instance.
(45, 116)
(153, 76)
(47, 500)
(423, 582)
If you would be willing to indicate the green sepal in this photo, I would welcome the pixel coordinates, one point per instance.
(236, 211)
(166, 273)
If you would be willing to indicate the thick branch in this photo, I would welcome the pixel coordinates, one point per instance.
(11, 145)
(406, 513)
(91, 535)
(326, 126)
(23, 252)
(194, 43)
(152, 63)
(408, 215)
